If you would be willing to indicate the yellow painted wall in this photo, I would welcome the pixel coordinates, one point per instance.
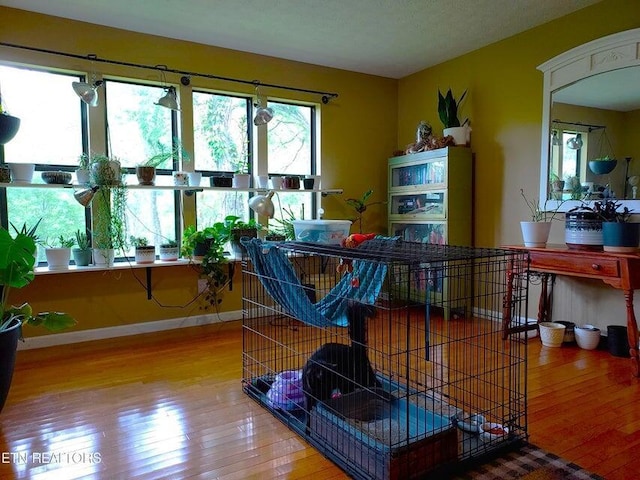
(353, 157)
(505, 107)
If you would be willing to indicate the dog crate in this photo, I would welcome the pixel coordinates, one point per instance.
(337, 347)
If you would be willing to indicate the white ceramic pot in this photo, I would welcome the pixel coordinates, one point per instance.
(180, 179)
(461, 135)
(103, 257)
(262, 181)
(551, 334)
(146, 254)
(535, 234)
(195, 178)
(241, 180)
(58, 258)
(587, 337)
(168, 254)
(83, 176)
(22, 172)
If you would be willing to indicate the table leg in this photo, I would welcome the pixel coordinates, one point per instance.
(632, 332)
(546, 296)
(507, 301)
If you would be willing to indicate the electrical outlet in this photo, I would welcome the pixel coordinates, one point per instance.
(202, 285)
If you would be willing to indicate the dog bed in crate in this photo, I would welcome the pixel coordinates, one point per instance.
(383, 437)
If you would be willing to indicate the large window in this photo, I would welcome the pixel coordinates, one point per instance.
(291, 147)
(221, 147)
(137, 130)
(50, 136)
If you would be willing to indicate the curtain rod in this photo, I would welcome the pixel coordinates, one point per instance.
(590, 127)
(185, 80)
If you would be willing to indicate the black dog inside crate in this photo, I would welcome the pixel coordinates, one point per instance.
(378, 390)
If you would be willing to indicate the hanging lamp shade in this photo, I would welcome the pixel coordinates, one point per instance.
(84, 196)
(262, 204)
(87, 92)
(169, 99)
(263, 116)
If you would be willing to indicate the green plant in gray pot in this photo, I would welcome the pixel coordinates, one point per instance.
(82, 252)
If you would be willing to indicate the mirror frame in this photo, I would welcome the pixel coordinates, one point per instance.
(612, 52)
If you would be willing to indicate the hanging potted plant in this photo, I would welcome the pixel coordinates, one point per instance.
(605, 162)
(109, 224)
(448, 110)
(618, 233)
(17, 260)
(535, 233)
(9, 126)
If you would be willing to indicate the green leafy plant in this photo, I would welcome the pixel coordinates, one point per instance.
(109, 208)
(609, 211)
(448, 109)
(168, 243)
(61, 242)
(538, 213)
(360, 205)
(84, 161)
(138, 241)
(17, 259)
(29, 231)
(284, 225)
(82, 240)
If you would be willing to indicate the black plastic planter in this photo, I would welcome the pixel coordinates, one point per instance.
(8, 346)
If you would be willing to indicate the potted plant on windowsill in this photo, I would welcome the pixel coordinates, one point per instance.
(17, 259)
(535, 233)
(169, 251)
(144, 253)
(58, 253)
(448, 110)
(241, 177)
(619, 234)
(207, 246)
(82, 252)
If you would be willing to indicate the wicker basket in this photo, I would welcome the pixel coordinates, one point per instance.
(551, 333)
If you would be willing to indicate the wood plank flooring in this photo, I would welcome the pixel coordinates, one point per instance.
(170, 405)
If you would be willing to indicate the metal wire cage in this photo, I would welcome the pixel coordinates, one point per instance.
(423, 364)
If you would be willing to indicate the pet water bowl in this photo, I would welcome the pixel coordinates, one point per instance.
(551, 333)
(321, 231)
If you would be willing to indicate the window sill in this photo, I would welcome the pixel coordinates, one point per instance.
(115, 266)
(187, 189)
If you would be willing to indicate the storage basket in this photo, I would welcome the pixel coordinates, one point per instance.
(551, 333)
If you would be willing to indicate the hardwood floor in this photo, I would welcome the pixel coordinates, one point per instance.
(170, 405)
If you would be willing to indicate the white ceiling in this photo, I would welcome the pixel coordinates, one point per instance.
(390, 38)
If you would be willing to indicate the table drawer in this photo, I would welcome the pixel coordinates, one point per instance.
(575, 264)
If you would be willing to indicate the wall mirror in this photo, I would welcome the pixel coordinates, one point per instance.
(591, 116)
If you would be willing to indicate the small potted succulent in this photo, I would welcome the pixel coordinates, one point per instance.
(144, 253)
(169, 251)
(82, 252)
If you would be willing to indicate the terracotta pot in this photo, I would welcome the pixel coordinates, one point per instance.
(146, 175)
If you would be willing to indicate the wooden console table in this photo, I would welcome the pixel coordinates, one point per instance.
(620, 270)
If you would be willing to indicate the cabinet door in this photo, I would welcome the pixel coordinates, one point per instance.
(424, 232)
(418, 206)
(418, 174)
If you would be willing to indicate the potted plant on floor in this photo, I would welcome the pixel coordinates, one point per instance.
(535, 232)
(448, 110)
(82, 252)
(619, 234)
(17, 259)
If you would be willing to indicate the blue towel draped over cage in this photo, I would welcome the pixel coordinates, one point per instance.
(280, 280)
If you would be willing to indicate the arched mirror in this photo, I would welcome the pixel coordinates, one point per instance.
(591, 116)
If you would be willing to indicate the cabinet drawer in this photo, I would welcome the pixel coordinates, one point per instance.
(575, 264)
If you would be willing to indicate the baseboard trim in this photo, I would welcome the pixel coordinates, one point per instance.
(126, 330)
